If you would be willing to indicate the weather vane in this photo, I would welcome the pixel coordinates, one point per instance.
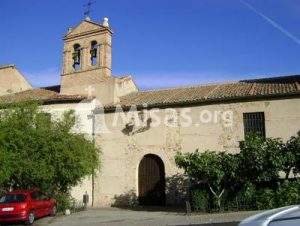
(87, 6)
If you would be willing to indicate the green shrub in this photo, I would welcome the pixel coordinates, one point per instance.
(288, 193)
(64, 201)
(265, 199)
(246, 197)
(200, 200)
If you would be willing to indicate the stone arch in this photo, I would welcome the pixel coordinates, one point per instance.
(94, 52)
(76, 55)
(151, 181)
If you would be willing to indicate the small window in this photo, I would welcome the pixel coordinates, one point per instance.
(94, 53)
(254, 123)
(76, 57)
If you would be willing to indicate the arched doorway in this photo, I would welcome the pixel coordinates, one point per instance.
(152, 181)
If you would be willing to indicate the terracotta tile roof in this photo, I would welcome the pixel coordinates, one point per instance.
(246, 89)
(43, 95)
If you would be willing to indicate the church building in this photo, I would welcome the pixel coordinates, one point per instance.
(139, 132)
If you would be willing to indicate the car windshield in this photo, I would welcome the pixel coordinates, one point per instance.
(12, 198)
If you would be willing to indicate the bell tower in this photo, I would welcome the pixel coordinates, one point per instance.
(86, 56)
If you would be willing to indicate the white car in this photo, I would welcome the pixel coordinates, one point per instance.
(285, 216)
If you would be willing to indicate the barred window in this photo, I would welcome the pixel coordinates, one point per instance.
(254, 123)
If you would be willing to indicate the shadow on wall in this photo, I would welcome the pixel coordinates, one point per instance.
(177, 188)
(176, 195)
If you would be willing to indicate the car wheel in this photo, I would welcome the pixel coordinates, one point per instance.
(30, 219)
(53, 211)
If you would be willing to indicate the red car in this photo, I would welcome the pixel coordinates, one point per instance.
(25, 206)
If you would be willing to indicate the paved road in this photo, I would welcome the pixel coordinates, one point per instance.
(118, 217)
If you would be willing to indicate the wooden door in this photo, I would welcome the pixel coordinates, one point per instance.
(151, 181)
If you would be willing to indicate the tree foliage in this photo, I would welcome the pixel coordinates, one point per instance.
(291, 155)
(254, 172)
(260, 159)
(37, 151)
(216, 170)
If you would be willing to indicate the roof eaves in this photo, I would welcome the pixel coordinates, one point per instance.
(224, 99)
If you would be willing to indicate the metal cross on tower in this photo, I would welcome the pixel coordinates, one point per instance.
(87, 6)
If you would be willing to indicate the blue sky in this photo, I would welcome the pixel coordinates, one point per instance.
(161, 43)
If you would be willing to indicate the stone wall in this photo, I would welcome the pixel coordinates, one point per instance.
(117, 180)
(92, 80)
(12, 81)
(80, 81)
(122, 153)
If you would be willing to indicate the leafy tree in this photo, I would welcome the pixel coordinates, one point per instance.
(260, 159)
(291, 156)
(216, 170)
(243, 175)
(36, 151)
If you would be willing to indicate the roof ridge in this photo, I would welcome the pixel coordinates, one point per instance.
(46, 90)
(46, 96)
(94, 22)
(222, 83)
(190, 86)
(278, 77)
